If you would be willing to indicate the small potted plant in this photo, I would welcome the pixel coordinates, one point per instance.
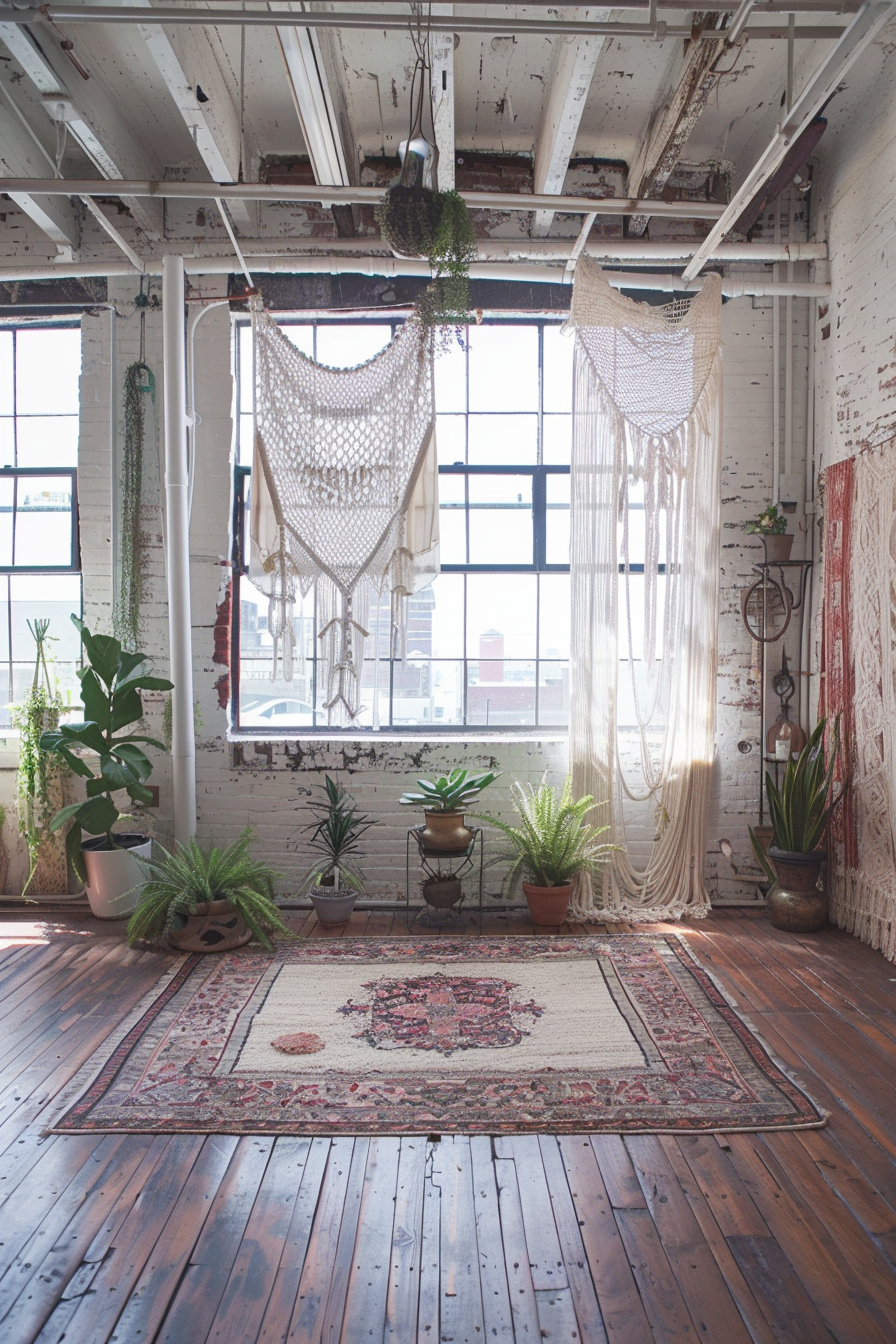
(442, 890)
(771, 526)
(549, 848)
(799, 812)
(444, 801)
(207, 902)
(110, 692)
(334, 880)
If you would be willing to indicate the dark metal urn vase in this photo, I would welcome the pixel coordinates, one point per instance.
(797, 904)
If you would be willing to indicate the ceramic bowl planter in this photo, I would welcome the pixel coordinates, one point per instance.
(445, 833)
(333, 905)
(215, 926)
(547, 905)
(796, 903)
(114, 876)
(442, 892)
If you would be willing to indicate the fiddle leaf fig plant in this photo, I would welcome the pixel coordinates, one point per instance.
(110, 692)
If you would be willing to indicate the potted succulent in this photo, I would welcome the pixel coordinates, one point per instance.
(444, 801)
(110, 692)
(334, 880)
(800, 811)
(549, 848)
(207, 902)
(771, 526)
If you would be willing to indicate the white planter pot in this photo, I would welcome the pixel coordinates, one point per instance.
(114, 873)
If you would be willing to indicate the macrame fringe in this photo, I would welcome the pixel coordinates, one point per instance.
(866, 908)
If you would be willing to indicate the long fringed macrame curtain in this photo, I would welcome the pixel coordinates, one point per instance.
(859, 682)
(344, 495)
(646, 430)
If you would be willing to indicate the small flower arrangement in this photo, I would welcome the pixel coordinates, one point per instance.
(770, 523)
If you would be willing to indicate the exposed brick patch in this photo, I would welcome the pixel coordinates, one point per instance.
(223, 618)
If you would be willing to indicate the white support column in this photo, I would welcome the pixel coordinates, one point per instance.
(177, 559)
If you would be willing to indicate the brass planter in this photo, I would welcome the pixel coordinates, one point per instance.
(442, 892)
(797, 904)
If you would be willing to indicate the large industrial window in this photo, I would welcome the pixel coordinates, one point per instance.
(40, 368)
(488, 641)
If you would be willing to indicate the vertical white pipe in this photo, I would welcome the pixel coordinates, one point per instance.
(177, 558)
(776, 372)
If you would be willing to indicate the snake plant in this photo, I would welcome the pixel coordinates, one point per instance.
(799, 811)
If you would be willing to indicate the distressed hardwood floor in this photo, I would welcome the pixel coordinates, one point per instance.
(787, 1237)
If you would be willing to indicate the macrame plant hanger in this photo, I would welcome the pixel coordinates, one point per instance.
(646, 432)
(344, 496)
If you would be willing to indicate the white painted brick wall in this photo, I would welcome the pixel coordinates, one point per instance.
(271, 793)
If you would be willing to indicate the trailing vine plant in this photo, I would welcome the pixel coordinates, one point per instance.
(139, 382)
(39, 776)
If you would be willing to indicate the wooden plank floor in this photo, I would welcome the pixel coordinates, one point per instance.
(786, 1238)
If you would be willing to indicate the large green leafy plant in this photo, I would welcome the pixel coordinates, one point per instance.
(110, 691)
(178, 883)
(552, 842)
(449, 793)
(335, 834)
(799, 811)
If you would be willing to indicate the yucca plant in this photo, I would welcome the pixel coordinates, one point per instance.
(799, 811)
(335, 835)
(552, 842)
(183, 880)
(449, 793)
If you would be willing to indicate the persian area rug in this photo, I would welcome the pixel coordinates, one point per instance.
(622, 1034)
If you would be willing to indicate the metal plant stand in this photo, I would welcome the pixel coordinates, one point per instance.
(438, 863)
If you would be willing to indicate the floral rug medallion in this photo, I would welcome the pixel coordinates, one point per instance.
(624, 1033)
(442, 1013)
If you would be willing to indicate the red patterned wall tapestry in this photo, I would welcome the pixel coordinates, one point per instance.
(860, 678)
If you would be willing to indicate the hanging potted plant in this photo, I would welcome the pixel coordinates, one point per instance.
(771, 526)
(417, 220)
(40, 775)
(444, 801)
(334, 880)
(207, 902)
(110, 691)
(549, 848)
(799, 812)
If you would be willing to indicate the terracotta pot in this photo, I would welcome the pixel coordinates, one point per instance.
(333, 905)
(547, 905)
(215, 927)
(797, 904)
(442, 893)
(445, 832)
(777, 546)
(114, 877)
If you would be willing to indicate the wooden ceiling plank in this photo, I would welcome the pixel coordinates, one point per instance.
(55, 216)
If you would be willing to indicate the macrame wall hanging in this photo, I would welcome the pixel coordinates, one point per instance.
(139, 397)
(344, 496)
(646, 432)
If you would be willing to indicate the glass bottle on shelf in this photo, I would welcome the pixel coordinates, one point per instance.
(784, 741)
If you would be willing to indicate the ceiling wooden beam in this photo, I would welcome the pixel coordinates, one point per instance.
(188, 60)
(572, 68)
(688, 82)
(91, 120)
(20, 155)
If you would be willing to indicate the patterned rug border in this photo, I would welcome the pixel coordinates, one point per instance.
(94, 1078)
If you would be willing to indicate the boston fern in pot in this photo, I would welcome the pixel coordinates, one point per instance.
(207, 902)
(550, 846)
(334, 879)
(110, 691)
(799, 812)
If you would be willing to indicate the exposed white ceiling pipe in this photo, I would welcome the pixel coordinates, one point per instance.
(371, 21)
(393, 268)
(629, 250)
(313, 194)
